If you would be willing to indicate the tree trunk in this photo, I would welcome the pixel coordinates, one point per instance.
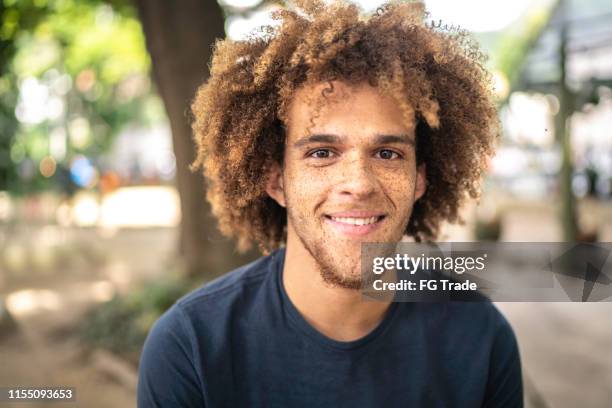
(569, 218)
(179, 36)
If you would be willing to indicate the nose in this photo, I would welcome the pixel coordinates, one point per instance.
(357, 178)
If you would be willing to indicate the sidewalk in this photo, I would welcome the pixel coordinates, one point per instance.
(49, 297)
(565, 350)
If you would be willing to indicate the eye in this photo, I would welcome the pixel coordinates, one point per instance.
(321, 154)
(387, 154)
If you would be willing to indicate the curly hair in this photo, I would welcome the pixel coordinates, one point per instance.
(435, 73)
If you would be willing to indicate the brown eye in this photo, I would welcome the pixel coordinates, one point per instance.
(321, 154)
(387, 154)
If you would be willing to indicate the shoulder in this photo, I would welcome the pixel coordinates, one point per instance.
(210, 310)
(482, 317)
(476, 322)
(505, 383)
(176, 326)
(166, 373)
(170, 373)
(494, 348)
(480, 336)
(484, 325)
(231, 287)
(481, 309)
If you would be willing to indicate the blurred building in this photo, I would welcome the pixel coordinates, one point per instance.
(530, 159)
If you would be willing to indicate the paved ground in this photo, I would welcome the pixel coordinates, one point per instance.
(49, 294)
(566, 351)
(34, 358)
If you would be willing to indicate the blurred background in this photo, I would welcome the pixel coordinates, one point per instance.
(103, 227)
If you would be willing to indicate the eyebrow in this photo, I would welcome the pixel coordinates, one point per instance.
(335, 139)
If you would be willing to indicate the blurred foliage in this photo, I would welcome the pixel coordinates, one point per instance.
(121, 325)
(73, 74)
(513, 46)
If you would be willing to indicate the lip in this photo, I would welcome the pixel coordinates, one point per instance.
(356, 214)
(355, 231)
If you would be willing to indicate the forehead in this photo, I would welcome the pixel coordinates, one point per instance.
(340, 108)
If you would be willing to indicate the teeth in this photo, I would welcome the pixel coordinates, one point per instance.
(355, 221)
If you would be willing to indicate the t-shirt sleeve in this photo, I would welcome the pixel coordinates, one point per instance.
(505, 385)
(167, 376)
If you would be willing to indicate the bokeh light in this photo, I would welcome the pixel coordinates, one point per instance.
(82, 172)
(47, 166)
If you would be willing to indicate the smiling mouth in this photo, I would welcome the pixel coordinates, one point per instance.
(357, 221)
(358, 226)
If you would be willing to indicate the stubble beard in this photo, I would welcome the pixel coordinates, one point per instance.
(329, 266)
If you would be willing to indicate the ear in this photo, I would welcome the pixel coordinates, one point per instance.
(421, 182)
(274, 185)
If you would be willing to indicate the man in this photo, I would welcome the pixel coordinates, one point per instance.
(330, 130)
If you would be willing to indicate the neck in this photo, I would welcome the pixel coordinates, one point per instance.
(339, 313)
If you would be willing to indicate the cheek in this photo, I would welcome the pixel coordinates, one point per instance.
(304, 190)
(399, 188)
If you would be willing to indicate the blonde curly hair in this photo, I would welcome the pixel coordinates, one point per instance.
(436, 73)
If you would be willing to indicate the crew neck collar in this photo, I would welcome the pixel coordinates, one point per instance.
(300, 322)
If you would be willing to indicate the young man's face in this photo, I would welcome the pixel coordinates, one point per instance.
(348, 177)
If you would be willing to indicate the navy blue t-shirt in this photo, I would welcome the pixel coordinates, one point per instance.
(240, 342)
